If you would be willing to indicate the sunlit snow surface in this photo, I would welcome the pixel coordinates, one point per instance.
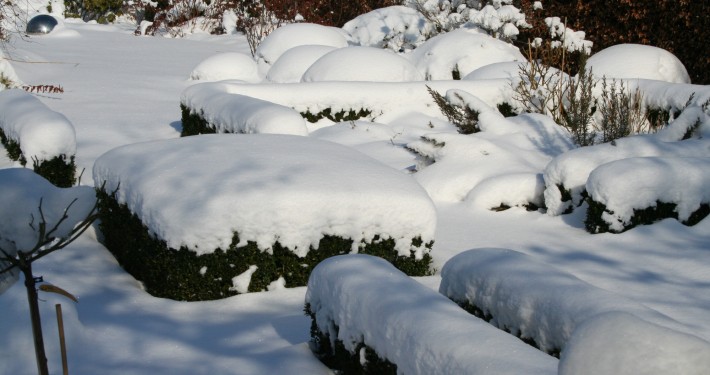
(120, 89)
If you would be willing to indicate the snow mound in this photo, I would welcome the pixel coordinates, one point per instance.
(297, 34)
(22, 192)
(509, 190)
(462, 50)
(230, 65)
(531, 299)
(622, 344)
(638, 61)
(233, 113)
(356, 64)
(683, 181)
(412, 326)
(454, 164)
(198, 191)
(289, 68)
(42, 133)
(398, 28)
(502, 70)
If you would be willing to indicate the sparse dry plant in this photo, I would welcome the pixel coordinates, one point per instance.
(621, 112)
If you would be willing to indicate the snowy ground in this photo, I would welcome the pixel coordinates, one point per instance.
(122, 89)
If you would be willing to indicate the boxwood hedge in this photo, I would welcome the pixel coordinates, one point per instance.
(649, 215)
(60, 170)
(181, 274)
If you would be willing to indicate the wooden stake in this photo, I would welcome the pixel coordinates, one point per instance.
(62, 344)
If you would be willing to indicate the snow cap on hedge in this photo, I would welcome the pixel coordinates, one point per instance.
(42, 133)
(198, 191)
(289, 68)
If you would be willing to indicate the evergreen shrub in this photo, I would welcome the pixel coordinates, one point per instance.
(180, 274)
(60, 170)
(338, 358)
(194, 123)
(594, 223)
(340, 116)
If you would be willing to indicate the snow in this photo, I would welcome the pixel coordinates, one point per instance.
(297, 34)
(130, 91)
(399, 28)
(508, 70)
(232, 113)
(266, 188)
(530, 298)
(228, 65)
(638, 61)
(683, 181)
(27, 198)
(42, 133)
(289, 68)
(412, 326)
(623, 344)
(465, 50)
(240, 283)
(355, 64)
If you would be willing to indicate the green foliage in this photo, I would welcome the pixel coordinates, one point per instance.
(506, 109)
(12, 147)
(340, 116)
(102, 11)
(646, 216)
(463, 117)
(340, 359)
(193, 123)
(175, 273)
(59, 170)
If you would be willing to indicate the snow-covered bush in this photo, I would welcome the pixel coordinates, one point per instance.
(397, 28)
(206, 111)
(635, 61)
(191, 216)
(368, 316)
(566, 175)
(228, 65)
(291, 65)
(30, 131)
(623, 344)
(459, 52)
(651, 189)
(293, 35)
(496, 17)
(356, 64)
(535, 301)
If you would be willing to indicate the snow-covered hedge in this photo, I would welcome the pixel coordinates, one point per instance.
(207, 111)
(633, 191)
(381, 99)
(30, 131)
(622, 344)
(208, 216)
(370, 318)
(533, 300)
(686, 135)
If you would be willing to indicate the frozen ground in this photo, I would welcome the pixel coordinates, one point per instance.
(122, 89)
